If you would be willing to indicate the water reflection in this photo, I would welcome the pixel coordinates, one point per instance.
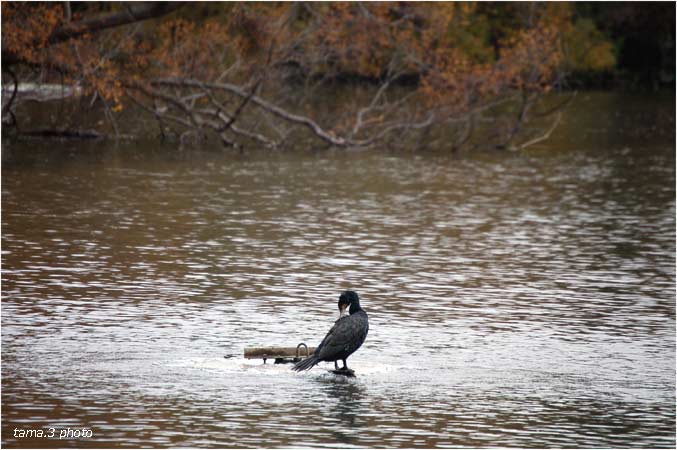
(514, 300)
(346, 405)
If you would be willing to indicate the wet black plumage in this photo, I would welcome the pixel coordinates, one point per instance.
(344, 338)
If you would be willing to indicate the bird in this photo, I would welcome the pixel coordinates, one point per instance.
(344, 338)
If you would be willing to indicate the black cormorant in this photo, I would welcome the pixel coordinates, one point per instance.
(346, 336)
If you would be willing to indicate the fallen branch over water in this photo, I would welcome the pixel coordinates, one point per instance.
(216, 119)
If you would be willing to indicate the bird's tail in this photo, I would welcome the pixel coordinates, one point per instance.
(306, 363)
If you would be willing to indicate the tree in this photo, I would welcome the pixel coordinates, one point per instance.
(262, 72)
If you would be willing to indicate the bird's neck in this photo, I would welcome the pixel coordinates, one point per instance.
(354, 307)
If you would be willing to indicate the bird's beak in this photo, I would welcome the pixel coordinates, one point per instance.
(342, 310)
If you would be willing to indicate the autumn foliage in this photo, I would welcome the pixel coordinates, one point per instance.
(262, 72)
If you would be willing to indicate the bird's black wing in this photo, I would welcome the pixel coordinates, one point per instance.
(346, 336)
(329, 335)
(308, 363)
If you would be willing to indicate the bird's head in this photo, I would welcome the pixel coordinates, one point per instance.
(348, 299)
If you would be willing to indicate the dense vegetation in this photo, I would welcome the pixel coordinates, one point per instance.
(450, 75)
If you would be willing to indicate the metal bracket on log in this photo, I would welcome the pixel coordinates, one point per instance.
(281, 355)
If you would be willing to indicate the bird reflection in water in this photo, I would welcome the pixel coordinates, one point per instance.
(345, 401)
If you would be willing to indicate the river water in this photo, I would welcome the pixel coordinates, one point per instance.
(517, 300)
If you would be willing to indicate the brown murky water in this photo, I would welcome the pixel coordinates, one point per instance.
(515, 299)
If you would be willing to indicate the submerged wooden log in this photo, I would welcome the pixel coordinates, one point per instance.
(299, 352)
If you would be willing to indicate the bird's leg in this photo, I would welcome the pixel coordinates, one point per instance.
(345, 365)
(335, 365)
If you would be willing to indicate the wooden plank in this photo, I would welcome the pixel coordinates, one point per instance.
(276, 352)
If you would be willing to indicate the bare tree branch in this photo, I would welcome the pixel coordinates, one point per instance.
(7, 107)
(304, 121)
(273, 109)
(542, 137)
